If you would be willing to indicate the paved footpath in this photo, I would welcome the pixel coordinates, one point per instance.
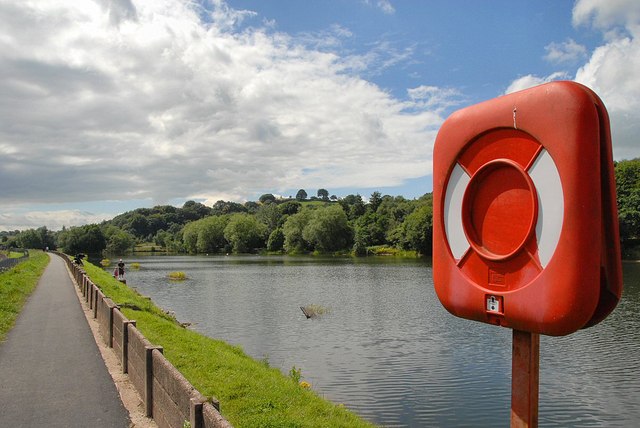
(51, 371)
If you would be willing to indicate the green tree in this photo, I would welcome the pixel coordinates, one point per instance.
(353, 206)
(251, 207)
(267, 197)
(394, 210)
(276, 240)
(289, 207)
(173, 240)
(418, 230)
(163, 238)
(48, 237)
(293, 228)
(139, 225)
(301, 195)
(156, 222)
(371, 228)
(415, 231)
(627, 174)
(245, 233)
(120, 242)
(190, 237)
(224, 207)
(93, 239)
(269, 215)
(30, 239)
(323, 194)
(375, 201)
(83, 239)
(359, 243)
(357, 208)
(192, 210)
(210, 238)
(328, 229)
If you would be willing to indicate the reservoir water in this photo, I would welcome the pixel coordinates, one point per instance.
(387, 349)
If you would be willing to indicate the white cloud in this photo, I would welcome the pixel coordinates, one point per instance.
(605, 15)
(381, 56)
(384, 5)
(148, 100)
(53, 220)
(613, 71)
(530, 81)
(565, 52)
(328, 39)
(435, 98)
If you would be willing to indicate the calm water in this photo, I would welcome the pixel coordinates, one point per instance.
(388, 350)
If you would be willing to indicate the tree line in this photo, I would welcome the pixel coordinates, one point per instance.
(319, 224)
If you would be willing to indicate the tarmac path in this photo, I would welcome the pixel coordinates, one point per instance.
(51, 371)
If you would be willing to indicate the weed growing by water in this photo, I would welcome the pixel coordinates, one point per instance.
(312, 311)
(177, 276)
(295, 374)
(265, 361)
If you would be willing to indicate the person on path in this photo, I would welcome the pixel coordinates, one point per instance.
(120, 270)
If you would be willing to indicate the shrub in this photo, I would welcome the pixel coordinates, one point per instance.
(177, 276)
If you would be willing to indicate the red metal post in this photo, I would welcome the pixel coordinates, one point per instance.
(525, 375)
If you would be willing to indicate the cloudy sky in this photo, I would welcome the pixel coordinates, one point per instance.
(111, 105)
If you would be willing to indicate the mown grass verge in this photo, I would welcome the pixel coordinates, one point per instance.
(16, 284)
(149, 247)
(251, 393)
(14, 254)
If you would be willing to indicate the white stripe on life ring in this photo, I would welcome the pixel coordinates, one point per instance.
(545, 177)
(458, 182)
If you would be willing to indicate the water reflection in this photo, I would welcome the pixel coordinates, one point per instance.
(596, 372)
(388, 350)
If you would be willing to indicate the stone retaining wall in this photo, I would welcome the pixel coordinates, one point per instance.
(167, 396)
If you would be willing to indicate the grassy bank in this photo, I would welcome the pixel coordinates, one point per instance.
(149, 247)
(251, 393)
(16, 284)
(12, 254)
(383, 250)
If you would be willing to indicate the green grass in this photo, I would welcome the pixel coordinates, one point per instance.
(121, 294)
(16, 284)
(383, 250)
(149, 247)
(251, 393)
